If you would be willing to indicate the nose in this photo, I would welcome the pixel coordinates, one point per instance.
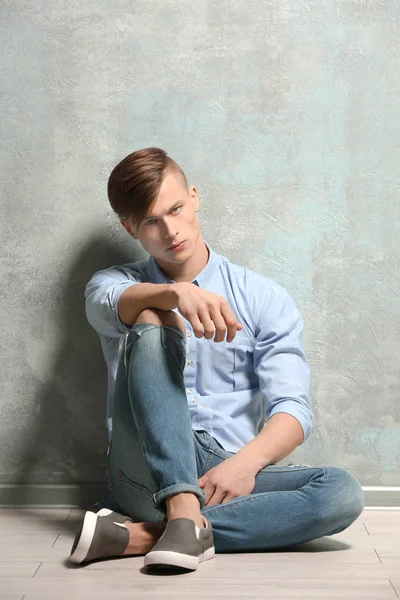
(170, 229)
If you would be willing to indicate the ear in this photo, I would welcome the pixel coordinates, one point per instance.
(195, 198)
(127, 226)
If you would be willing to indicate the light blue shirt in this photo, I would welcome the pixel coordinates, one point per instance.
(232, 388)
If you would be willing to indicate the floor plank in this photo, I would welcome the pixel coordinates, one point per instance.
(224, 566)
(395, 581)
(19, 568)
(29, 538)
(131, 587)
(389, 557)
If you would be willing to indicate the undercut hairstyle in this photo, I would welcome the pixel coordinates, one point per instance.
(135, 182)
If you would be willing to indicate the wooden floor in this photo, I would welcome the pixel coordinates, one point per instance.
(361, 562)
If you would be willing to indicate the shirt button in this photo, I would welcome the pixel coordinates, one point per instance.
(189, 391)
(190, 362)
(188, 334)
(194, 400)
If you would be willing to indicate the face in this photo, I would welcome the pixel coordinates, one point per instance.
(171, 219)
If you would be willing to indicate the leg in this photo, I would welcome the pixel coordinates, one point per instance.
(299, 503)
(152, 461)
(288, 506)
(154, 456)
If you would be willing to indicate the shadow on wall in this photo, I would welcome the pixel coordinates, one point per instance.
(66, 438)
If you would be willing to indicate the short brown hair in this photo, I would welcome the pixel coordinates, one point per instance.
(135, 182)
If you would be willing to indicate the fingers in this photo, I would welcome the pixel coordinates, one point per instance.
(231, 322)
(207, 324)
(220, 326)
(197, 326)
(213, 495)
(214, 323)
(218, 322)
(227, 498)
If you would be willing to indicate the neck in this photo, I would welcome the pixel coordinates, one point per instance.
(188, 270)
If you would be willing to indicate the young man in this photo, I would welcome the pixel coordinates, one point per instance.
(199, 351)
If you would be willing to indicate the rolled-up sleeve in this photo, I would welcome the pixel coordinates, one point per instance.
(280, 361)
(102, 293)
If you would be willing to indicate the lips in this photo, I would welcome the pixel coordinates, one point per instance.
(175, 245)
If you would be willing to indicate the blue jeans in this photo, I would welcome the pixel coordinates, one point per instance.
(155, 453)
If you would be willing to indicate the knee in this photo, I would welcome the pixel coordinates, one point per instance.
(161, 317)
(354, 497)
(346, 501)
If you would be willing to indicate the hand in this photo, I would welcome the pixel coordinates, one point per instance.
(230, 479)
(204, 309)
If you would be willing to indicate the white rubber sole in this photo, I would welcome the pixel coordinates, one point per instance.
(176, 559)
(86, 537)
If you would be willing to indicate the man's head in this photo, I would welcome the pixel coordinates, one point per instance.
(149, 192)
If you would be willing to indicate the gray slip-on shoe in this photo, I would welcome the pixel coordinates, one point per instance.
(99, 537)
(183, 545)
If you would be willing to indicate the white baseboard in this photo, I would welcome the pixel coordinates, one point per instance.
(381, 497)
(86, 495)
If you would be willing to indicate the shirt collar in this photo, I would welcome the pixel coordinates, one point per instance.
(156, 275)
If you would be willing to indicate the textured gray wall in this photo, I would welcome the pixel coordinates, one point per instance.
(285, 114)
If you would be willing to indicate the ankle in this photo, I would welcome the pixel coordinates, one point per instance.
(186, 513)
(143, 536)
(184, 501)
(184, 505)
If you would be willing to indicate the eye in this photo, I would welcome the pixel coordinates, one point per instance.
(151, 221)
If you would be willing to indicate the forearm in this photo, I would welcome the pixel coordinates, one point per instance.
(146, 295)
(278, 438)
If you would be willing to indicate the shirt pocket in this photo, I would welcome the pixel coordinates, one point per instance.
(244, 376)
(233, 366)
(223, 367)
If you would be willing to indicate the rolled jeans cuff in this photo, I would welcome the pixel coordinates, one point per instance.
(178, 488)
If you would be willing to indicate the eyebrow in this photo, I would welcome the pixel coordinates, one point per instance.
(156, 216)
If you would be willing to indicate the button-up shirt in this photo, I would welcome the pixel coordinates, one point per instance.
(233, 388)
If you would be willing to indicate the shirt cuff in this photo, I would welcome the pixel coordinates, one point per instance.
(121, 326)
(303, 416)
